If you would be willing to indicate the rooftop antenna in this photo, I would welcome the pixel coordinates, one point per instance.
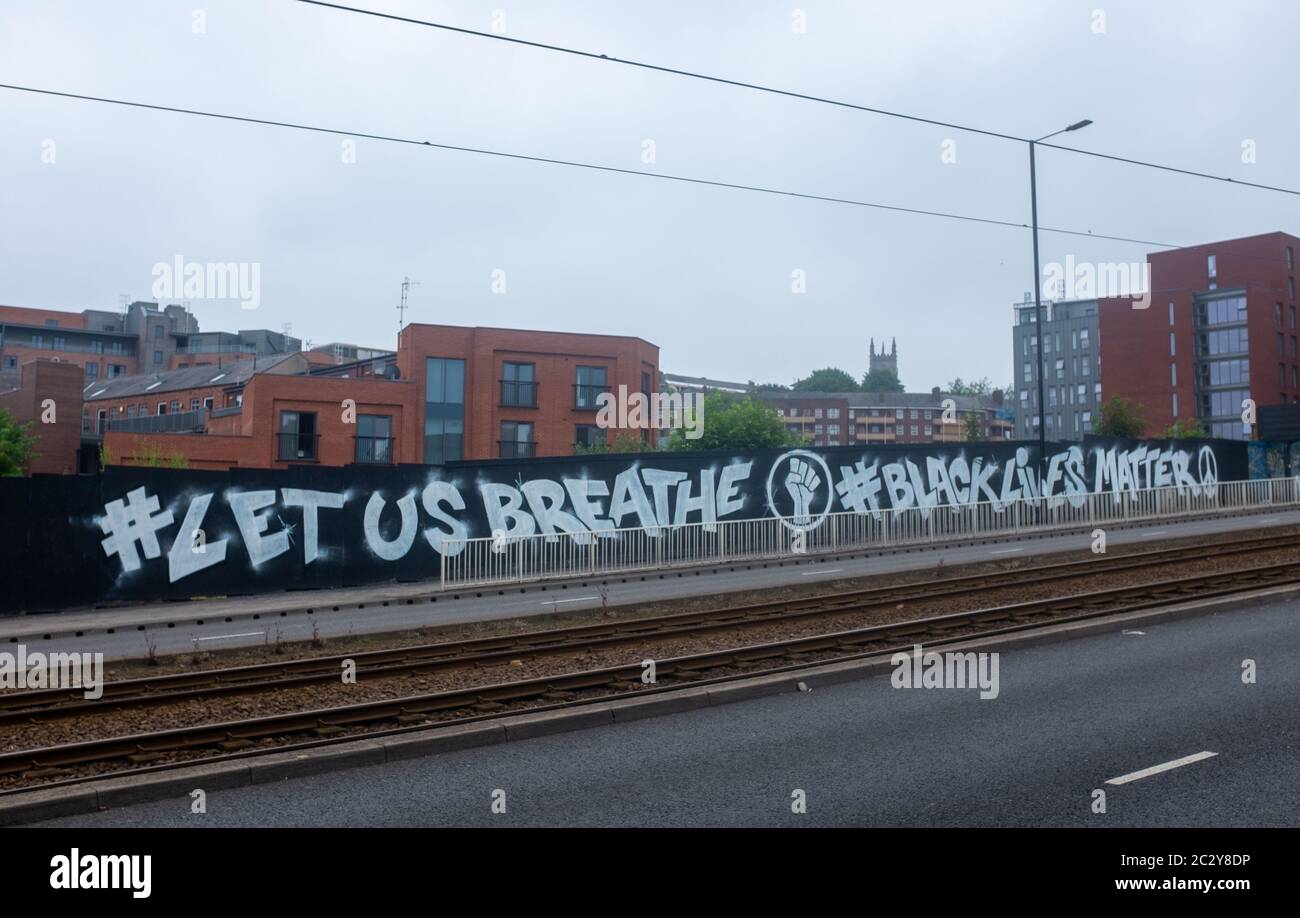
(407, 284)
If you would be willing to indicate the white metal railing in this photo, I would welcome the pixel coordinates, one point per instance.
(516, 559)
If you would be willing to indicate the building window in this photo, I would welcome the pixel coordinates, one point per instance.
(1173, 374)
(374, 438)
(297, 437)
(92, 371)
(588, 435)
(832, 412)
(194, 404)
(59, 343)
(444, 410)
(898, 430)
(157, 332)
(176, 407)
(1290, 258)
(817, 412)
(11, 362)
(130, 411)
(516, 440)
(518, 385)
(38, 341)
(1212, 269)
(207, 403)
(592, 381)
(1060, 369)
(162, 408)
(1173, 348)
(157, 356)
(914, 430)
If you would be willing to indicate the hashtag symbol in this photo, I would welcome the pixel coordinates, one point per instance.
(858, 487)
(137, 520)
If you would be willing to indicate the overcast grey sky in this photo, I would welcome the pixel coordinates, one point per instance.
(705, 273)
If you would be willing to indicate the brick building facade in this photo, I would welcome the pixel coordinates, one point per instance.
(1221, 328)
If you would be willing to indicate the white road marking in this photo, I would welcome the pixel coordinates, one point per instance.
(1005, 551)
(556, 602)
(1269, 519)
(1157, 769)
(833, 570)
(222, 637)
(1126, 631)
(1147, 535)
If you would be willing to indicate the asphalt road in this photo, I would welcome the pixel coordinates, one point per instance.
(1070, 716)
(249, 621)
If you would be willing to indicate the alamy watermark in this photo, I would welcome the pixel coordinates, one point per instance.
(21, 670)
(231, 280)
(1089, 280)
(920, 669)
(639, 410)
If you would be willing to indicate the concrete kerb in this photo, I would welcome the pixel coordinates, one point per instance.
(42, 804)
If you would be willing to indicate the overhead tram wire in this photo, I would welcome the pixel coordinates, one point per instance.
(664, 176)
(772, 90)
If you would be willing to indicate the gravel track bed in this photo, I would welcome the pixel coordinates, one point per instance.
(194, 712)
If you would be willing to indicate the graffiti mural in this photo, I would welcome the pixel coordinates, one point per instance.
(135, 534)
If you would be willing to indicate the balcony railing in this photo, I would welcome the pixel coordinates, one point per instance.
(518, 393)
(297, 447)
(179, 422)
(584, 395)
(376, 450)
(517, 449)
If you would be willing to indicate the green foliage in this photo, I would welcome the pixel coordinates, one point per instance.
(15, 445)
(736, 423)
(103, 457)
(767, 388)
(1121, 417)
(827, 379)
(974, 387)
(625, 441)
(881, 381)
(1186, 429)
(151, 456)
(970, 428)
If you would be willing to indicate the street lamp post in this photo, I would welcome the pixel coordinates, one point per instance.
(1038, 305)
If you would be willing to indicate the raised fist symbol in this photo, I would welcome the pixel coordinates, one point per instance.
(801, 482)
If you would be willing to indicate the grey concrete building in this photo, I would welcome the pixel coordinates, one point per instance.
(1071, 362)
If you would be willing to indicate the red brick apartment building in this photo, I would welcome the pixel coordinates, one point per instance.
(1221, 327)
(449, 393)
(854, 418)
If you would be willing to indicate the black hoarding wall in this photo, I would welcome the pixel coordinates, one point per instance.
(134, 534)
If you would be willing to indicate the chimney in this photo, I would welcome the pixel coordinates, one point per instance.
(936, 392)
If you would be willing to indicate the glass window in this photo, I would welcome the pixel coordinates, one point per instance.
(588, 435)
(297, 436)
(592, 381)
(444, 410)
(518, 385)
(374, 438)
(516, 439)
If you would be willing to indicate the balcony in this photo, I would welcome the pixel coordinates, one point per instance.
(376, 450)
(179, 422)
(584, 396)
(516, 449)
(297, 447)
(518, 393)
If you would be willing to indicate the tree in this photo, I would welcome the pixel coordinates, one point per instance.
(625, 441)
(828, 379)
(881, 381)
(975, 387)
(1120, 417)
(970, 428)
(767, 388)
(15, 445)
(735, 423)
(1186, 429)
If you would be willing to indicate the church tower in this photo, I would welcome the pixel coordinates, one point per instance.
(883, 361)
